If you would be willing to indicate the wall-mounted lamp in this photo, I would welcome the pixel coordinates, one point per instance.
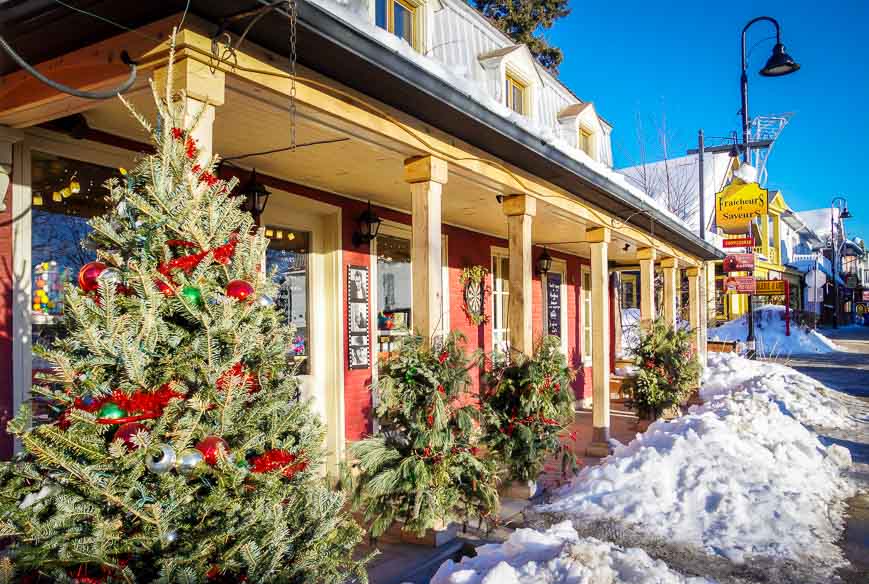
(544, 262)
(256, 196)
(369, 225)
(626, 247)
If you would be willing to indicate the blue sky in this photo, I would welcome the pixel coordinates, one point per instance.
(679, 62)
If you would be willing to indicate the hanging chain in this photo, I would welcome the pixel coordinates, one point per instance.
(294, 15)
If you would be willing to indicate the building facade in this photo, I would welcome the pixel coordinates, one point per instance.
(419, 113)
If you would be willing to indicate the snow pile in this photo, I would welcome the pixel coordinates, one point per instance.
(739, 476)
(769, 332)
(555, 556)
(798, 395)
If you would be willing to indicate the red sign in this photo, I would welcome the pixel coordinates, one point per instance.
(865, 295)
(738, 262)
(739, 242)
(740, 284)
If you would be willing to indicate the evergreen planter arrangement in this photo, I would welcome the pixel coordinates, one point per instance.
(526, 406)
(669, 371)
(422, 470)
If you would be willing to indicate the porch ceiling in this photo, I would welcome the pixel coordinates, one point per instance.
(356, 167)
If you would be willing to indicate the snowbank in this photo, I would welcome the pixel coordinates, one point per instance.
(557, 556)
(769, 332)
(740, 476)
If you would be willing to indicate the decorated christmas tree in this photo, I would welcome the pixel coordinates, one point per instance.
(182, 452)
(526, 407)
(423, 468)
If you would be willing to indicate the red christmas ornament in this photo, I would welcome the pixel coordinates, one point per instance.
(164, 288)
(126, 433)
(209, 447)
(273, 460)
(88, 274)
(239, 289)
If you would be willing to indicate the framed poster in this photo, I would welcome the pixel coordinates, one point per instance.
(358, 324)
(553, 304)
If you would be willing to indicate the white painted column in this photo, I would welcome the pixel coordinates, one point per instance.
(599, 239)
(670, 268)
(646, 256)
(427, 175)
(704, 313)
(520, 210)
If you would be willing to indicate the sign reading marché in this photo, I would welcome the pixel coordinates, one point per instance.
(738, 204)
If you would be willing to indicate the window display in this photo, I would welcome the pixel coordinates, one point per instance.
(287, 259)
(394, 291)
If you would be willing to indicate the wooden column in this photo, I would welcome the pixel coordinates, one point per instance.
(12, 387)
(599, 239)
(204, 89)
(703, 293)
(427, 175)
(694, 305)
(647, 256)
(520, 209)
(671, 286)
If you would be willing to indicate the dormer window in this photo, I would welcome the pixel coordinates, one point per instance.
(586, 141)
(399, 17)
(515, 93)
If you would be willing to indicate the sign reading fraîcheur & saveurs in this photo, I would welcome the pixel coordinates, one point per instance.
(738, 204)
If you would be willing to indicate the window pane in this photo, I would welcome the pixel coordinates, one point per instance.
(394, 291)
(517, 99)
(287, 255)
(380, 13)
(65, 194)
(403, 22)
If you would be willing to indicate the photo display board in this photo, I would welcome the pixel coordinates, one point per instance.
(358, 345)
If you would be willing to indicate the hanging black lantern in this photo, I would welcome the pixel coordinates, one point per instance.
(544, 262)
(256, 196)
(369, 225)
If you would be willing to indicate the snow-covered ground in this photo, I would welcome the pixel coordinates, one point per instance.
(740, 476)
(769, 332)
(558, 556)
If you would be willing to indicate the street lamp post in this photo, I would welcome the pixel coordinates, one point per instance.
(840, 204)
(778, 64)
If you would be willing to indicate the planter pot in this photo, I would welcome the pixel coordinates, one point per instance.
(440, 534)
(518, 489)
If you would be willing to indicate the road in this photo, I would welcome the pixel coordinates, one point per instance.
(848, 371)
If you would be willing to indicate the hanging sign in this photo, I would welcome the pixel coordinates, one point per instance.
(851, 280)
(738, 242)
(770, 287)
(740, 284)
(865, 295)
(738, 204)
(553, 304)
(738, 262)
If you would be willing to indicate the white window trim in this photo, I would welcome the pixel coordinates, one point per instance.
(498, 252)
(585, 352)
(528, 92)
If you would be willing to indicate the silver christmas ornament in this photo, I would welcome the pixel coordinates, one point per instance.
(189, 461)
(170, 536)
(110, 276)
(265, 300)
(163, 464)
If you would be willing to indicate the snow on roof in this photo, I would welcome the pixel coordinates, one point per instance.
(818, 220)
(573, 109)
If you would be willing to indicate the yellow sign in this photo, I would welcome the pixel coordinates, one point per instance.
(770, 287)
(738, 204)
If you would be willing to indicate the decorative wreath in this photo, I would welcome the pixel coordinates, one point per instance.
(473, 282)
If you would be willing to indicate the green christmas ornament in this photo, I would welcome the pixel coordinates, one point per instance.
(111, 411)
(192, 294)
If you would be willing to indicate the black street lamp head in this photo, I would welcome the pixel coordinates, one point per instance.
(779, 63)
(544, 262)
(256, 196)
(846, 214)
(369, 226)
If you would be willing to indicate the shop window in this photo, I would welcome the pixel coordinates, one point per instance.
(398, 17)
(500, 301)
(65, 195)
(287, 262)
(629, 295)
(394, 292)
(586, 314)
(515, 93)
